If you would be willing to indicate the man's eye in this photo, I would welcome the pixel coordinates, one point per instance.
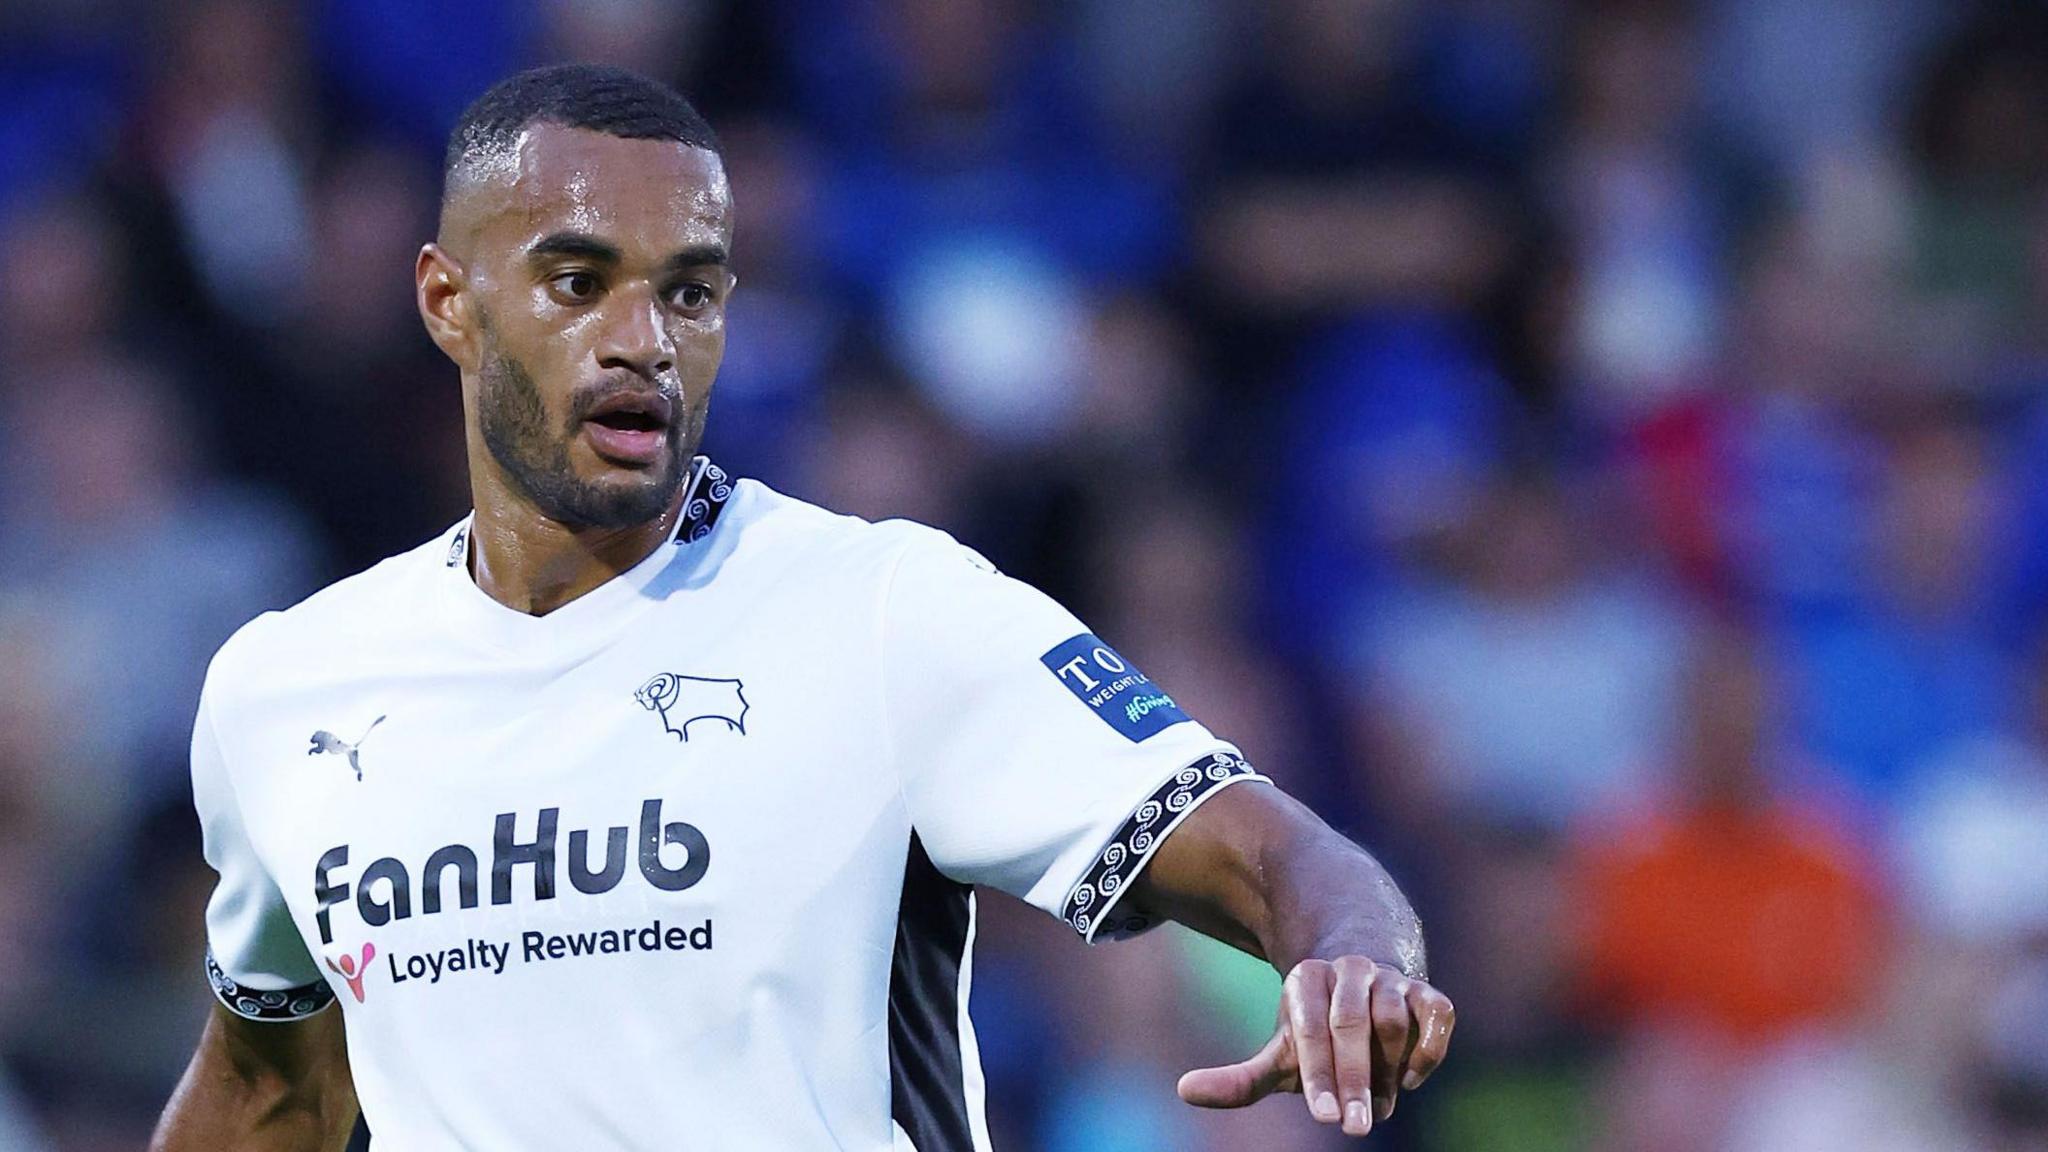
(576, 285)
(691, 297)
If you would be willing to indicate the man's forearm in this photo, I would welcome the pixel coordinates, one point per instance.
(1358, 1020)
(1267, 875)
(1326, 897)
(264, 1087)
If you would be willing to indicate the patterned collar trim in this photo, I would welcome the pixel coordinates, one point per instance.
(708, 488)
(708, 491)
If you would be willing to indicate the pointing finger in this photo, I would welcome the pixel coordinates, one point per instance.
(1351, 1041)
(1306, 995)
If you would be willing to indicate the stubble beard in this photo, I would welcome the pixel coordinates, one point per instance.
(513, 420)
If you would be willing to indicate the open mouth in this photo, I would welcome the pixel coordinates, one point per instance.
(631, 412)
(625, 421)
(629, 428)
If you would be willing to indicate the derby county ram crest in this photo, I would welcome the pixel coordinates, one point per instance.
(684, 700)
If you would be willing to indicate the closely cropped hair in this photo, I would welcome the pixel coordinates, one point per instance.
(596, 97)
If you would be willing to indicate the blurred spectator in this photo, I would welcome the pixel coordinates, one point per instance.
(958, 142)
(1535, 688)
(110, 523)
(348, 405)
(60, 258)
(879, 455)
(1765, 486)
(967, 196)
(1953, 1057)
(1972, 831)
(222, 134)
(1172, 586)
(993, 333)
(1981, 149)
(1403, 420)
(1971, 846)
(1809, 81)
(1651, 203)
(1726, 912)
(1141, 395)
(1911, 663)
(1338, 186)
(1909, 1076)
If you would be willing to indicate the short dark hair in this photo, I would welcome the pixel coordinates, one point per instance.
(597, 97)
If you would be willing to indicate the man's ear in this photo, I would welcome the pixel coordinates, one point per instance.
(440, 287)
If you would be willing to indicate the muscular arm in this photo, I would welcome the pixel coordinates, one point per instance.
(1256, 869)
(263, 1087)
(1358, 1021)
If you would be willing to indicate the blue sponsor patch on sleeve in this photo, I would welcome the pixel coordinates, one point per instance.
(1125, 698)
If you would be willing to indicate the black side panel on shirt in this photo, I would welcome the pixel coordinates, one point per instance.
(927, 1082)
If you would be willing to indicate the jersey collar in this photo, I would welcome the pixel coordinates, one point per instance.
(590, 618)
(706, 493)
(704, 497)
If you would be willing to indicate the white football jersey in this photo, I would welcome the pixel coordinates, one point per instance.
(686, 862)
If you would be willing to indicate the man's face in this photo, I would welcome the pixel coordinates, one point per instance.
(599, 279)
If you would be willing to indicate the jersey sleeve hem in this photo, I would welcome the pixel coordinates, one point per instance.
(279, 1005)
(1090, 907)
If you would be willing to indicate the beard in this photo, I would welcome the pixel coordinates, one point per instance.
(513, 419)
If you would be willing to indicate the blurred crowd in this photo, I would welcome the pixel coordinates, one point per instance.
(1596, 452)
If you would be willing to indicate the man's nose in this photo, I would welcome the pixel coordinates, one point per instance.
(635, 337)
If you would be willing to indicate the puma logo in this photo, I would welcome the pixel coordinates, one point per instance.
(325, 741)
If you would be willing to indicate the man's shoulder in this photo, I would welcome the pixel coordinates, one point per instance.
(790, 527)
(346, 613)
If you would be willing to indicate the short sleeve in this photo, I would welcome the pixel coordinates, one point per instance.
(256, 961)
(1034, 757)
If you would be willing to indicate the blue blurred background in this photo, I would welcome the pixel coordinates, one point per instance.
(1596, 452)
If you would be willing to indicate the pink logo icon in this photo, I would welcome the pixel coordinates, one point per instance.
(353, 971)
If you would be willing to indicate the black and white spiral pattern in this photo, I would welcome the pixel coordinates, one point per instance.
(1133, 843)
(709, 490)
(255, 1004)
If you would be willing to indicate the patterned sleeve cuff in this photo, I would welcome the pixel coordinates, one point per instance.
(1091, 907)
(256, 1004)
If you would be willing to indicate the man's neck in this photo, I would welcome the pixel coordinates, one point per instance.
(534, 565)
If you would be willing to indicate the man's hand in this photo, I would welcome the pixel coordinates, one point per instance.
(1255, 869)
(1351, 1034)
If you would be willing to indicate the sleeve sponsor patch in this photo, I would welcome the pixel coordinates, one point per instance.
(1125, 698)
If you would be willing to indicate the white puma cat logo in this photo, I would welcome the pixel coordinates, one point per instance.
(325, 741)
